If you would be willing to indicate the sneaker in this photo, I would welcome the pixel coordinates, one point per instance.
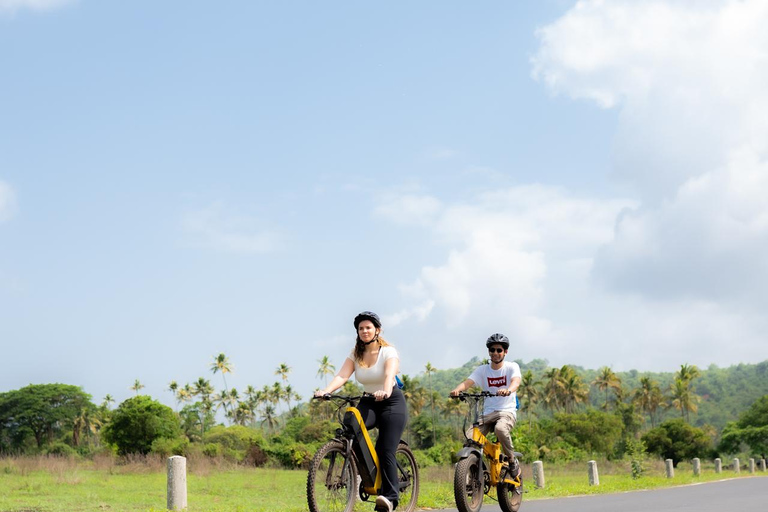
(383, 504)
(514, 468)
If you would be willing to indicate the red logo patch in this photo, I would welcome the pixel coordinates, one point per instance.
(497, 382)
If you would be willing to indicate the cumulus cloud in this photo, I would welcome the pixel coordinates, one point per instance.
(690, 80)
(503, 244)
(217, 227)
(35, 5)
(7, 202)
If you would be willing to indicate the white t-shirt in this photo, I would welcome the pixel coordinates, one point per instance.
(492, 380)
(372, 378)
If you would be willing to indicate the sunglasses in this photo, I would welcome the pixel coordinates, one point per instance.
(495, 350)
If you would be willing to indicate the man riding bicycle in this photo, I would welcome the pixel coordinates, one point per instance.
(500, 412)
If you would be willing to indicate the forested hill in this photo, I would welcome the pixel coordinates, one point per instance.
(723, 393)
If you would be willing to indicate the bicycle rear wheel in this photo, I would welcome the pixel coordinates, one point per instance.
(408, 478)
(332, 480)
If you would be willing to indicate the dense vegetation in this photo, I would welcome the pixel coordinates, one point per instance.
(566, 414)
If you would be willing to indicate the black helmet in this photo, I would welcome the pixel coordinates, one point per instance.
(368, 315)
(497, 339)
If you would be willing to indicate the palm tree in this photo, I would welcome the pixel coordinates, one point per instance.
(415, 394)
(683, 398)
(687, 372)
(221, 364)
(430, 370)
(574, 389)
(268, 417)
(137, 386)
(649, 398)
(184, 394)
(173, 387)
(84, 422)
(530, 395)
(325, 369)
(605, 381)
(107, 400)
(553, 389)
(454, 409)
(243, 414)
(682, 392)
(283, 370)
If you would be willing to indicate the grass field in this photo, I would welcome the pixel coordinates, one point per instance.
(43, 484)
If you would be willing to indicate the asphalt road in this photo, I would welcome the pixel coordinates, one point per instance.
(737, 495)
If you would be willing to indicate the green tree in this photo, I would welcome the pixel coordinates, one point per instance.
(326, 369)
(592, 431)
(649, 398)
(283, 370)
(682, 397)
(40, 410)
(751, 429)
(605, 381)
(137, 422)
(222, 365)
(677, 440)
(430, 370)
(137, 386)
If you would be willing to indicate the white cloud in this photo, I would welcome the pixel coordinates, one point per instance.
(7, 202)
(218, 228)
(690, 80)
(35, 5)
(502, 246)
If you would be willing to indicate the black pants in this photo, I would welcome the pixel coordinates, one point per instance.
(389, 416)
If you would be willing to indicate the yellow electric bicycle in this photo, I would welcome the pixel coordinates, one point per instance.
(482, 465)
(349, 458)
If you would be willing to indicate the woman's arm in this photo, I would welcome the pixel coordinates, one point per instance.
(347, 369)
(391, 367)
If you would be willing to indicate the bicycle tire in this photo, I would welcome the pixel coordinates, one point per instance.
(468, 484)
(509, 496)
(332, 479)
(408, 478)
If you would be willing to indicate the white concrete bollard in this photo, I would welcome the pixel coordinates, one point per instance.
(177, 482)
(538, 474)
(736, 466)
(761, 464)
(594, 478)
(718, 466)
(696, 466)
(670, 468)
(751, 465)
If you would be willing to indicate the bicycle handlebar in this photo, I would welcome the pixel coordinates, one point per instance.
(482, 394)
(345, 398)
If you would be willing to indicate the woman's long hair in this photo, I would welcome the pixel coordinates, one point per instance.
(360, 348)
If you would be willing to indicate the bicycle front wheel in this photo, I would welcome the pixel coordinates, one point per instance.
(407, 477)
(468, 484)
(332, 480)
(510, 496)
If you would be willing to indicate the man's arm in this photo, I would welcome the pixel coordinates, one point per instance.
(512, 387)
(462, 387)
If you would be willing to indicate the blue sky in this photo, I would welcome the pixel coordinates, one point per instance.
(180, 179)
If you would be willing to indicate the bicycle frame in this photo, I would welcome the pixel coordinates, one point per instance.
(354, 434)
(364, 451)
(481, 445)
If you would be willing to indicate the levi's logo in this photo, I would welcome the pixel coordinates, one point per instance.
(497, 382)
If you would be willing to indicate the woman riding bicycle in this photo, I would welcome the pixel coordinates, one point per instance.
(375, 364)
